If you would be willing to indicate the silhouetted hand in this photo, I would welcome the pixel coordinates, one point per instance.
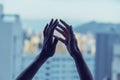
(71, 44)
(70, 40)
(48, 50)
(49, 44)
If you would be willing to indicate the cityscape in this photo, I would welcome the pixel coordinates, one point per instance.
(98, 42)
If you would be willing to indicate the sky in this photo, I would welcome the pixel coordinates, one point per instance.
(82, 10)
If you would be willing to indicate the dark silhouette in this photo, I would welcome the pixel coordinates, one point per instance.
(48, 50)
(72, 47)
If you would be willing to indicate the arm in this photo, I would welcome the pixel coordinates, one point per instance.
(82, 68)
(48, 50)
(29, 73)
(72, 47)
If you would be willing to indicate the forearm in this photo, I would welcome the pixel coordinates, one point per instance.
(82, 68)
(29, 73)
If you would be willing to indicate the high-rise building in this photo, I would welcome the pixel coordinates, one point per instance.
(116, 60)
(11, 44)
(107, 55)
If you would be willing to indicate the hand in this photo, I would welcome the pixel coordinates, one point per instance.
(70, 40)
(49, 44)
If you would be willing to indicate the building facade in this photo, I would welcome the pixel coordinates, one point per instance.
(107, 56)
(116, 60)
(10, 45)
(59, 67)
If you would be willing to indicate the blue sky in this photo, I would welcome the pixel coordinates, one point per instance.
(82, 10)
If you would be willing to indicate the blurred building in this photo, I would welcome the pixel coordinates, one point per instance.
(59, 67)
(116, 60)
(31, 45)
(11, 44)
(86, 43)
(107, 37)
(107, 55)
(32, 42)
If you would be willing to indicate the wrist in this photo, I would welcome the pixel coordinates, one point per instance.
(43, 54)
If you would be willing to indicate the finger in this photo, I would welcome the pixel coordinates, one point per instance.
(64, 23)
(72, 36)
(51, 22)
(76, 45)
(53, 27)
(45, 29)
(64, 29)
(54, 24)
(60, 39)
(62, 32)
(71, 31)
